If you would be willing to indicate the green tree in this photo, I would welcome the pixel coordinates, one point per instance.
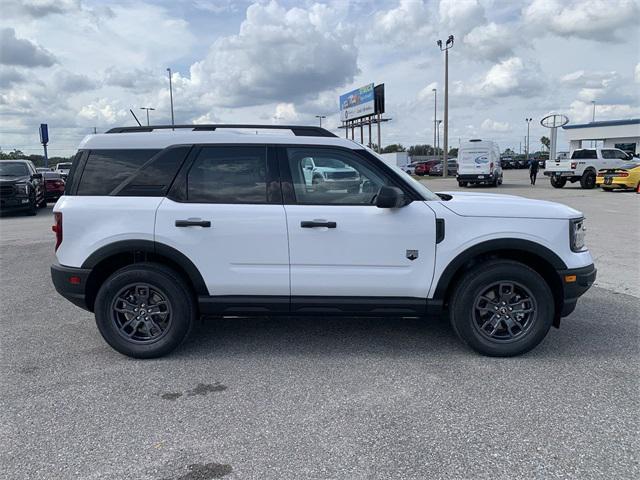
(394, 147)
(453, 153)
(546, 142)
(424, 149)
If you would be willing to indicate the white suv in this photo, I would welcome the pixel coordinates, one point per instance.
(584, 165)
(158, 226)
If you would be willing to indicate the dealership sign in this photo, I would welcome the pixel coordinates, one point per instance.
(357, 103)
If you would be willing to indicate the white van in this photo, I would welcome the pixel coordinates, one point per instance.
(479, 162)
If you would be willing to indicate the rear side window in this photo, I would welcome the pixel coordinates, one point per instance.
(154, 178)
(229, 174)
(107, 169)
(584, 154)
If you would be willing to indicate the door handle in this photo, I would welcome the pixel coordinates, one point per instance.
(316, 223)
(193, 223)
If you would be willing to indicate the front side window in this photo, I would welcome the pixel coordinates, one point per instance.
(324, 176)
(228, 174)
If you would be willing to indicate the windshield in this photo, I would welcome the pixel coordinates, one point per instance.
(13, 169)
(424, 191)
(64, 165)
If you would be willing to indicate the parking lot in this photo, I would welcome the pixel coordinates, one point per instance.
(325, 398)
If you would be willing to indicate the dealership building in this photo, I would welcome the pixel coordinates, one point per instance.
(622, 134)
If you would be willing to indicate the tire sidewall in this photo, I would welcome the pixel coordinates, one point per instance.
(461, 308)
(176, 292)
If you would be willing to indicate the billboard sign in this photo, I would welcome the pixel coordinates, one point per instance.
(357, 103)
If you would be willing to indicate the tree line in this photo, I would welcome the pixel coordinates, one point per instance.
(38, 160)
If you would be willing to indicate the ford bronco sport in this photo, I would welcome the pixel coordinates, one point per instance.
(160, 225)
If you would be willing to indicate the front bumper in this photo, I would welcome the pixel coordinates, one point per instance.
(71, 283)
(14, 203)
(575, 282)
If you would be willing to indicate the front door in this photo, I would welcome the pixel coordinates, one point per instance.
(341, 244)
(228, 219)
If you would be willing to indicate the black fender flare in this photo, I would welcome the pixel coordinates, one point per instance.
(495, 246)
(156, 248)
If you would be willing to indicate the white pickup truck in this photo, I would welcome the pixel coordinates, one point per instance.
(583, 166)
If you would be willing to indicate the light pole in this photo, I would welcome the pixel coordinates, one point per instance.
(528, 120)
(448, 44)
(320, 117)
(171, 97)
(147, 109)
(438, 122)
(593, 119)
(435, 117)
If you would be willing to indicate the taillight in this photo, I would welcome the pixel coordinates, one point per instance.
(622, 174)
(57, 228)
(491, 165)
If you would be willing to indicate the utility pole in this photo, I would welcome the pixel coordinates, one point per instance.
(528, 120)
(147, 109)
(435, 117)
(438, 122)
(171, 97)
(445, 153)
(320, 117)
(593, 119)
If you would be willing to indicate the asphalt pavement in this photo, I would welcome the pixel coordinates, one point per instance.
(318, 398)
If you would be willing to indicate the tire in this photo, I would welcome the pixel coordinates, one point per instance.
(462, 184)
(171, 300)
(557, 182)
(469, 312)
(33, 208)
(588, 180)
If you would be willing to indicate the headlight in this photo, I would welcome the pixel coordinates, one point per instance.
(22, 189)
(577, 233)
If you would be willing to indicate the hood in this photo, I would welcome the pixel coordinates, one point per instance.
(7, 180)
(469, 204)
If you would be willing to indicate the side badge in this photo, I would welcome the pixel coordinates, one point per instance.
(412, 254)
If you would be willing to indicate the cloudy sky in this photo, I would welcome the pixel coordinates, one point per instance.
(80, 64)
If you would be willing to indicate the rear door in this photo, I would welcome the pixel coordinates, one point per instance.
(225, 213)
(342, 247)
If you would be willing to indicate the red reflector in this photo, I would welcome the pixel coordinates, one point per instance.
(622, 174)
(74, 280)
(57, 228)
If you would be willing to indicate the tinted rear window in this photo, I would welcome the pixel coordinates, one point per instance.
(584, 154)
(106, 169)
(155, 177)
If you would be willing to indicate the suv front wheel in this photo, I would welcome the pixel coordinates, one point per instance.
(502, 308)
(145, 310)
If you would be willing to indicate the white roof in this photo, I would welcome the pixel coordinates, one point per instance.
(164, 138)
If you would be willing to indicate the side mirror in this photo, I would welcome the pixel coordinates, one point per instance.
(390, 197)
(37, 176)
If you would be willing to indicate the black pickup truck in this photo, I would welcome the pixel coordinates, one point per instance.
(21, 187)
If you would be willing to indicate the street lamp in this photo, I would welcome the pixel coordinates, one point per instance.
(528, 120)
(320, 117)
(593, 119)
(448, 44)
(171, 97)
(435, 116)
(147, 109)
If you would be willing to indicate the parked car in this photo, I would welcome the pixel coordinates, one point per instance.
(626, 176)
(53, 186)
(327, 173)
(423, 168)
(43, 170)
(507, 162)
(452, 170)
(21, 187)
(479, 163)
(208, 222)
(583, 166)
(63, 169)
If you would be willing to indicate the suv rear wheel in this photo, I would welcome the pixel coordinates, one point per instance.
(502, 308)
(145, 310)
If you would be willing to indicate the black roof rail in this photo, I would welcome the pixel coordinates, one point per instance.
(298, 130)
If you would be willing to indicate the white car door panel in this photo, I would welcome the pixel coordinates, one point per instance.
(368, 253)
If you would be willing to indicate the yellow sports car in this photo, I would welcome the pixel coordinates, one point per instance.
(627, 176)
